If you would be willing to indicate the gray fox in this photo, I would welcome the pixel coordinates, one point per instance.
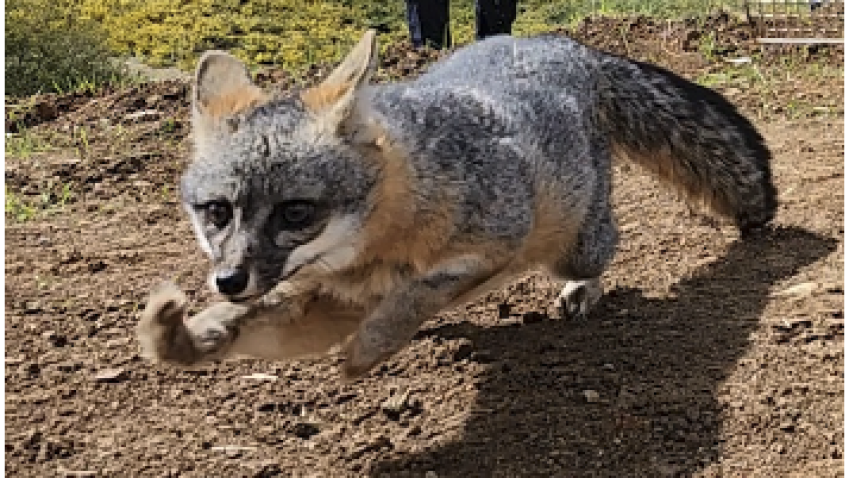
(348, 213)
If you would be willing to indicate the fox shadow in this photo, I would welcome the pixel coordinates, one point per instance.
(631, 391)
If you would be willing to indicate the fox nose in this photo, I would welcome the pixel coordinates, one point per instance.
(231, 282)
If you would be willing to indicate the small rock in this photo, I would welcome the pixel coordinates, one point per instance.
(143, 115)
(608, 366)
(75, 473)
(345, 397)
(591, 396)
(233, 451)
(274, 469)
(152, 100)
(431, 474)
(463, 351)
(32, 308)
(46, 111)
(798, 290)
(833, 287)
(117, 342)
(260, 376)
(16, 360)
(69, 366)
(395, 404)
(111, 375)
(378, 443)
(793, 324)
(56, 339)
(33, 368)
(739, 61)
(305, 430)
(705, 261)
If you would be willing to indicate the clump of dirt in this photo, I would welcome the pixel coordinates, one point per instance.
(28, 112)
(708, 356)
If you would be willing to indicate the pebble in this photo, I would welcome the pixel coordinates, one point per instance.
(111, 375)
(261, 376)
(799, 290)
(591, 396)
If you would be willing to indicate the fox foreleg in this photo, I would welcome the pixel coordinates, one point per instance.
(394, 322)
(283, 327)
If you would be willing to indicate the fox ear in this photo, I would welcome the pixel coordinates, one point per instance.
(335, 99)
(222, 88)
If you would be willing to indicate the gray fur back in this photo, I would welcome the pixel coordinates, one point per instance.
(504, 118)
(552, 108)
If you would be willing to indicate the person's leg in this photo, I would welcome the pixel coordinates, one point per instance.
(494, 17)
(428, 23)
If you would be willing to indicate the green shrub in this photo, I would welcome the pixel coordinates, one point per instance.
(49, 48)
(288, 33)
(296, 33)
(292, 34)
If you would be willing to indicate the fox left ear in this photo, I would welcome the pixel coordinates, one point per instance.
(336, 100)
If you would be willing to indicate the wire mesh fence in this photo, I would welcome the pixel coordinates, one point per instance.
(777, 21)
(797, 21)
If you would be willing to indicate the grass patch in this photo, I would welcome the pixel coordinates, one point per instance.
(24, 143)
(787, 88)
(54, 197)
(17, 208)
(764, 78)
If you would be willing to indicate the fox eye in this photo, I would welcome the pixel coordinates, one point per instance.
(218, 213)
(293, 215)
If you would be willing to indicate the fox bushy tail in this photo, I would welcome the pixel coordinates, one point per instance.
(690, 137)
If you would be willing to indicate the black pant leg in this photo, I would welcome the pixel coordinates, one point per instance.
(428, 23)
(494, 17)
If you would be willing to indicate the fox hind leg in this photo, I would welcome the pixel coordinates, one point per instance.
(578, 297)
(582, 265)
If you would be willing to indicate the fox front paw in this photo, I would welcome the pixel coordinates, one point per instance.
(214, 329)
(161, 331)
(166, 335)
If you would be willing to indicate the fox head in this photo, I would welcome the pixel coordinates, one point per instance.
(282, 185)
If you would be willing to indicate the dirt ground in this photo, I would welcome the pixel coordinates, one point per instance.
(707, 356)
